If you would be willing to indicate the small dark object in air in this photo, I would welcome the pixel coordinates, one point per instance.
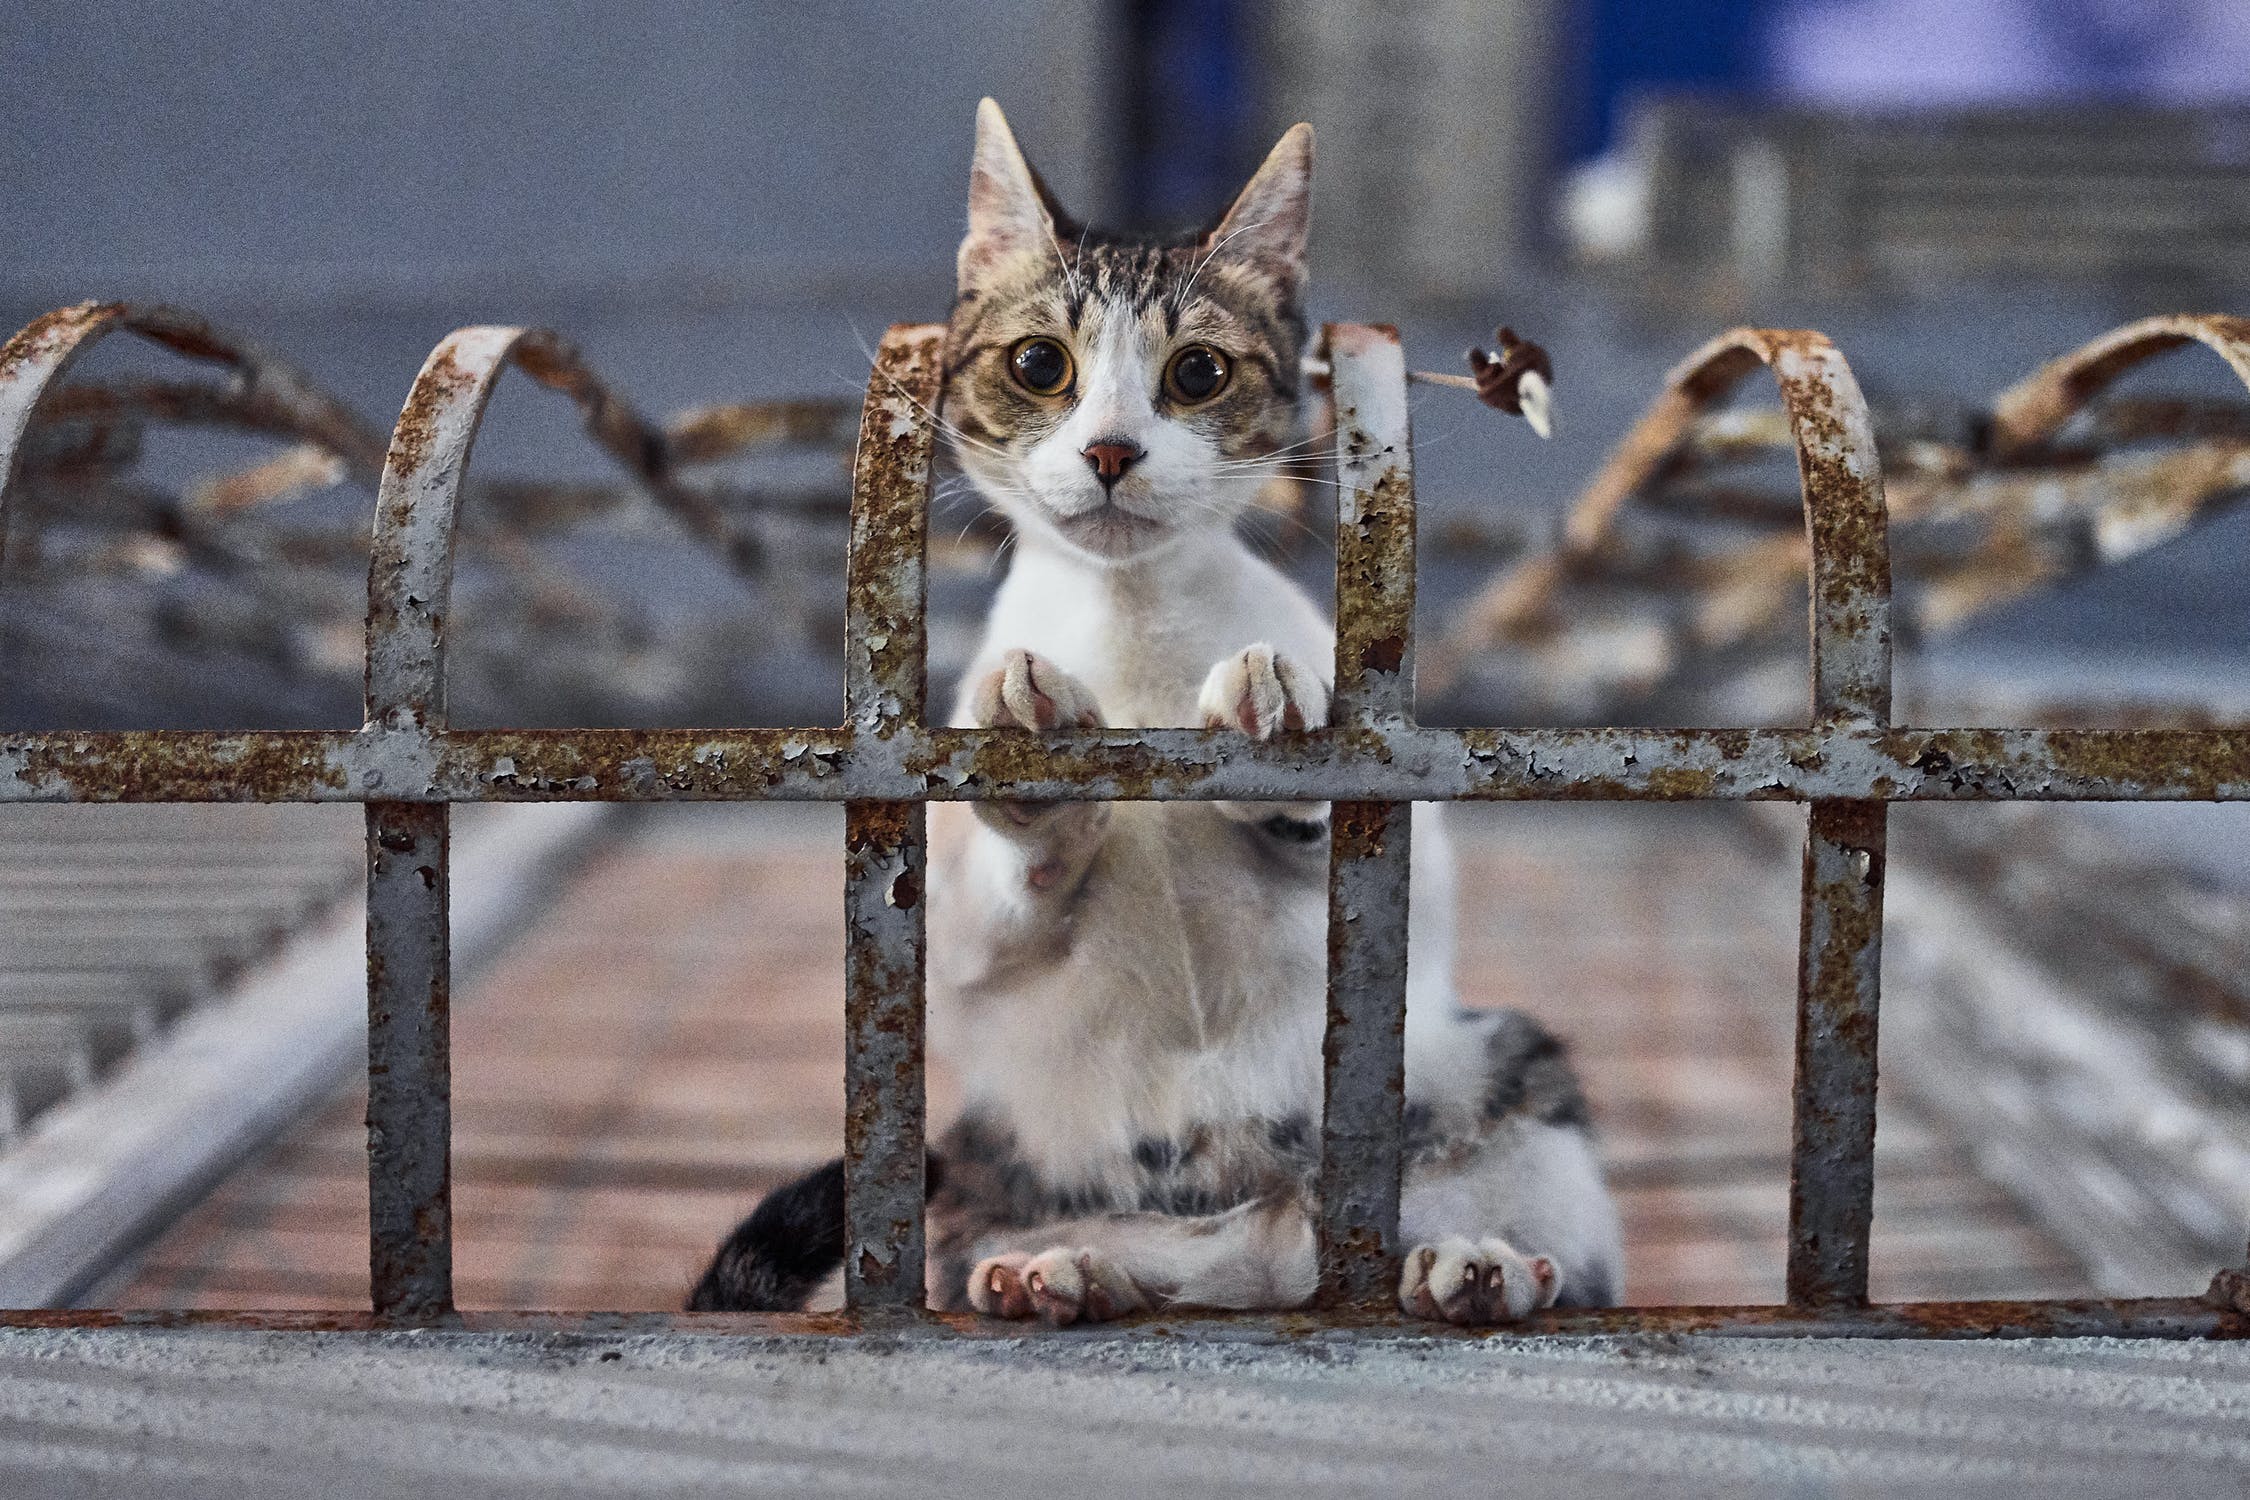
(1500, 380)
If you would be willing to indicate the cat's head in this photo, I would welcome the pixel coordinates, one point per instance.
(1121, 395)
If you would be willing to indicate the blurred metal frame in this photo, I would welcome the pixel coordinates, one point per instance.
(885, 763)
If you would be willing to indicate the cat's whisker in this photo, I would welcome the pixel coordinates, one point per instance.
(947, 429)
(1302, 447)
(1179, 301)
(1063, 262)
(1320, 481)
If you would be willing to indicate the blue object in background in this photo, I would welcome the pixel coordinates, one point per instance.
(1185, 148)
(1628, 46)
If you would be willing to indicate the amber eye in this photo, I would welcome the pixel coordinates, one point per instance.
(1197, 373)
(1041, 366)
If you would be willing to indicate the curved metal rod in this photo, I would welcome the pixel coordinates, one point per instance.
(44, 350)
(126, 405)
(417, 504)
(2033, 410)
(410, 565)
(1839, 474)
(710, 434)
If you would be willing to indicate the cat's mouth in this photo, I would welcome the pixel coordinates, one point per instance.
(1110, 530)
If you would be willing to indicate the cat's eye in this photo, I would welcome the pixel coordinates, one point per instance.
(1196, 373)
(1041, 366)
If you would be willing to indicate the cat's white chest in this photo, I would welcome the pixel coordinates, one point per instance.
(1144, 645)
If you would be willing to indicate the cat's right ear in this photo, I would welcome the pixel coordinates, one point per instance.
(1269, 221)
(1010, 210)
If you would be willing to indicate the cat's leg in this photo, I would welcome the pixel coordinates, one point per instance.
(1011, 867)
(1503, 1202)
(1259, 1255)
(1261, 692)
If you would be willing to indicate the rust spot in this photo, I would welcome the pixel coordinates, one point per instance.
(1386, 654)
(44, 332)
(877, 827)
(2195, 764)
(1681, 785)
(441, 383)
(152, 766)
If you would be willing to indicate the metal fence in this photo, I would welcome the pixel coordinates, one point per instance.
(886, 762)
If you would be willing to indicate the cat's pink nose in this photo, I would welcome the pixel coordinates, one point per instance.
(1111, 457)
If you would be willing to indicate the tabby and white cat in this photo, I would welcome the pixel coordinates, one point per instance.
(1133, 993)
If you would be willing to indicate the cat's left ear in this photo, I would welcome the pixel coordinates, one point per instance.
(1011, 212)
(1269, 220)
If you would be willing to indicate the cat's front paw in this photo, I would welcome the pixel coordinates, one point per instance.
(1261, 692)
(1063, 1285)
(1031, 692)
(1476, 1282)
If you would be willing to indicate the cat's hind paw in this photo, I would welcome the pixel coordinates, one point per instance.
(1261, 692)
(1476, 1282)
(1031, 692)
(1060, 1286)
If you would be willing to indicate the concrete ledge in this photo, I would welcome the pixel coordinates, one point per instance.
(193, 1413)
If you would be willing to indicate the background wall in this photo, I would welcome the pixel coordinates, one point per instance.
(498, 150)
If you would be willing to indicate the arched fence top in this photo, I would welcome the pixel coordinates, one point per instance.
(35, 360)
(421, 470)
(2033, 410)
(1841, 479)
(417, 506)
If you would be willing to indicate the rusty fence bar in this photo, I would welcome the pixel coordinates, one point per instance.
(1370, 853)
(885, 762)
(409, 866)
(409, 1062)
(1832, 1129)
(885, 690)
(1832, 1144)
(1415, 762)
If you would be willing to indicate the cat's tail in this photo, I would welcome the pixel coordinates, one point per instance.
(775, 1259)
(792, 1242)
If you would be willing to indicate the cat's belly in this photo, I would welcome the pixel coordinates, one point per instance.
(1187, 1002)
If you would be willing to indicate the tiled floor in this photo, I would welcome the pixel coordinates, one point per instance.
(668, 1044)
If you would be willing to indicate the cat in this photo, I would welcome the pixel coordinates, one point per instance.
(1133, 993)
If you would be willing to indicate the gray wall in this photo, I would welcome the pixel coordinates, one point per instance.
(392, 153)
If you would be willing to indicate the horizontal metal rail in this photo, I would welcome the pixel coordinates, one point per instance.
(1421, 763)
(886, 763)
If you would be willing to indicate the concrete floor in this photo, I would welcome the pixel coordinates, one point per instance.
(223, 1414)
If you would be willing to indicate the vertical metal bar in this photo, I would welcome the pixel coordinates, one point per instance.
(1364, 1054)
(409, 933)
(884, 1110)
(409, 1062)
(1832, 1147)
(885, 685)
